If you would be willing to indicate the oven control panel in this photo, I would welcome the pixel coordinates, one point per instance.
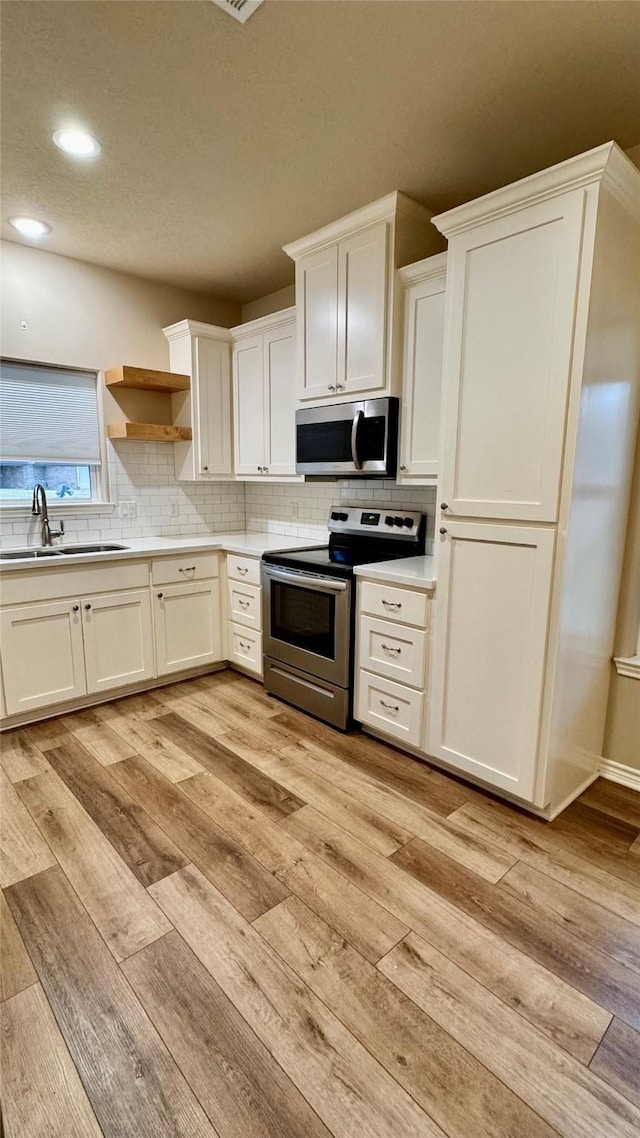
(355, 519)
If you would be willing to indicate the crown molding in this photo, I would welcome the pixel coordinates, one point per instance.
(604, 164)
(431, 268)
(384, 209)
(278, 319)
(195, 328)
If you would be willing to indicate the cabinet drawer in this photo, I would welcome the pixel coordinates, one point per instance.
(244, 604)
(405, 606)
(393, 650)
(187, 567)
(390, 707)
(245, 569)
(245, 648)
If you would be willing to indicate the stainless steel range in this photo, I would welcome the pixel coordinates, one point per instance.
(308, 601)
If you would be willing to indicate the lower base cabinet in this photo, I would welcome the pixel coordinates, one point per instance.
(187, 626)
(118, 639)
(391, 708)
(489, 650)
(42, 655)
(245, 648)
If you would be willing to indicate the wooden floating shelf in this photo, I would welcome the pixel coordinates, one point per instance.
(143, 379)
(150, 432)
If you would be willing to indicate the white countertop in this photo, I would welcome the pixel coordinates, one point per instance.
(417, 572)
(251, 544)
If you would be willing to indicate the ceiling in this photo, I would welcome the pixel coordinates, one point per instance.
(221, 142)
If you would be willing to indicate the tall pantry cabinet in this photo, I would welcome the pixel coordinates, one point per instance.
(541, 395)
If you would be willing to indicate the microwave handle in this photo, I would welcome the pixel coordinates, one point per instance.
(355, 427)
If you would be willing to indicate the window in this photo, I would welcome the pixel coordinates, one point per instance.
(49, 433)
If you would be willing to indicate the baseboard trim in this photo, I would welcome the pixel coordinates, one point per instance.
(618, 772)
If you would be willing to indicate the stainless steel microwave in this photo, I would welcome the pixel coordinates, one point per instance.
(348, 440)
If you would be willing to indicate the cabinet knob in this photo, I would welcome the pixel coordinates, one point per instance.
(205, 467)
(265, 469)
(160, 596)
(444, 505)
(442, 529)
(403, 467)
(87, 607)
(339, 386)
(331, 386)
(76, 608)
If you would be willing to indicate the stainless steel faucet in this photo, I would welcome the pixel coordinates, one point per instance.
(40, 508)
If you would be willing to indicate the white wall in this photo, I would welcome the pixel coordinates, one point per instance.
(265, 305)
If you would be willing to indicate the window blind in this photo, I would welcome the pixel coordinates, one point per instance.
(48, 414)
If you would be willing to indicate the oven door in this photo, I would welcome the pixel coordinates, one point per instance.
(348, 439)
(307, 622)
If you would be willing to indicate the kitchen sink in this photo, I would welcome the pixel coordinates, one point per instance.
(70, 549)
(21, 554)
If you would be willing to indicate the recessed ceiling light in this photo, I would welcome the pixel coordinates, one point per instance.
(77, 142)
(29, 227)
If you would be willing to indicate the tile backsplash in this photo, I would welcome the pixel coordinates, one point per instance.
(141, 474)
(142, 480)
(301, 509)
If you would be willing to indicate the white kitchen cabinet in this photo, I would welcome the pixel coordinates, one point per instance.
(424, 287)
(187, 626)
(541, 395)
(349, 310)
(317, 307)
(511, 296)
(42, 655)
(363, 272)
(118, 639)
(494, 587)
(264, 396)
(202, 351)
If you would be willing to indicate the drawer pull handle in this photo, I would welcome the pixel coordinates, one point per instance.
(391, 650)
(245, 647)
(189, 569)
(392, 604)
(242, 569)
(389, 706)
(243, 604)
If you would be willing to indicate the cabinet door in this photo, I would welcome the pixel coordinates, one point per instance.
(248, 406)
(491, 616)
(511, 295)
(422, 379)
(280, 406)
(187, 624)
(118, 639)
(317, 311)
(42, 655)
(212, 428)
(362, 310)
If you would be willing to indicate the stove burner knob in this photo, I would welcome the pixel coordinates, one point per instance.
(408, 522)
(343, 517)
(388, 521)
(335, 517)
(398, 522)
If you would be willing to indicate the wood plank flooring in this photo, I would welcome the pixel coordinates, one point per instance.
(221, 919)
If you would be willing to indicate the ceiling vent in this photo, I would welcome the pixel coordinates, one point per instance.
(239, 9)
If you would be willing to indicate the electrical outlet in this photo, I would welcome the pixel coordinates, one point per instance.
(128, 509)
(293, 509)
(174, 509)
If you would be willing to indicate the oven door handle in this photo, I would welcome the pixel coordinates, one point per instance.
(307, 582)
(355, 427)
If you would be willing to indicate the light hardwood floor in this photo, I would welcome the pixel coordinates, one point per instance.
(221, 918)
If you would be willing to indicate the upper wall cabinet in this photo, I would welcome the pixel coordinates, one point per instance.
(202, 351)
(511, 302)
(349, 310)
(423, 286)
(264, 396)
